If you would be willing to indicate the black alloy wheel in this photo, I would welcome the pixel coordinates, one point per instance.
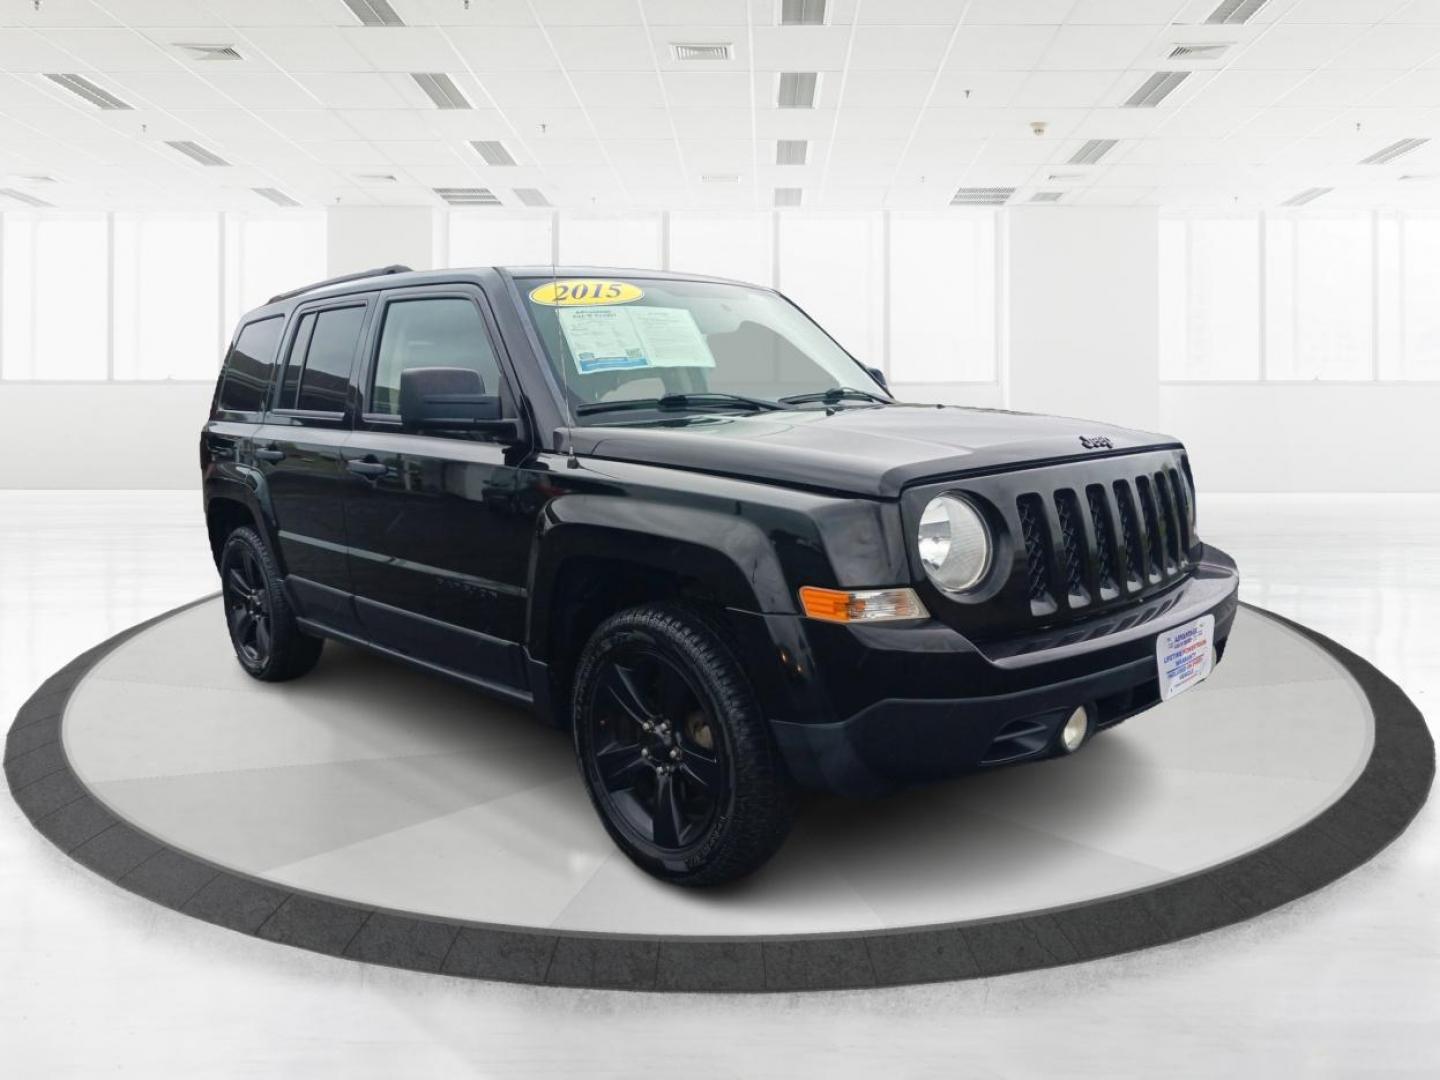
(267, 641)
(678, 762)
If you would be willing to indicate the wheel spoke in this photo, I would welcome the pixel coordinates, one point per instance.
(669, 826)
(619, 766)
(702, 769)
(262, 636)
(241, 624)
(237, 582)
(622, 687)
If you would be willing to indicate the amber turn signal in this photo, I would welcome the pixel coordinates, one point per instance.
(865, 605)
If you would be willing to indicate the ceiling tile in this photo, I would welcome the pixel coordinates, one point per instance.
(602, 48)
(999, 48)
(897, 48)
(402, 48)
(503, 48)
(1065, 88)
(619, 89)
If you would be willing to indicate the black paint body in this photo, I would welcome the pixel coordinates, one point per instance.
(492, 559)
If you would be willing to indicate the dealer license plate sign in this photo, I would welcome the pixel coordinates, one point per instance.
(1185, 655)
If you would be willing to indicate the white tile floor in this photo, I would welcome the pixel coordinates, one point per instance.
(390, 788)
(1344, 982)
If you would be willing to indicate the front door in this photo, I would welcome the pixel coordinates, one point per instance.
(439, 535)
(299, 449)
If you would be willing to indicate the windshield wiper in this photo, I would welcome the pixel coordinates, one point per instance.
(834, 396)
(707, 400)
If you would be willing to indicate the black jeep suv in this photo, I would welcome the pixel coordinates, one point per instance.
(673, 515)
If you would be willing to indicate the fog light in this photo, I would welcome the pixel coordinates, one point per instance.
(1075, 730)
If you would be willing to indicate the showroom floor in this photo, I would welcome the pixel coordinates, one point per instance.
(96, 977)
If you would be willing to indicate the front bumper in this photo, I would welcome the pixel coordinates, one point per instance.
(923, 703)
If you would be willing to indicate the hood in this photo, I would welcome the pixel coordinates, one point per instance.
(862, 451)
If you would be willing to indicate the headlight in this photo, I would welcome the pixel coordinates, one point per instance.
(954, 543)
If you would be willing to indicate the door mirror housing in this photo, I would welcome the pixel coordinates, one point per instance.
(879, 376)
(451, 399)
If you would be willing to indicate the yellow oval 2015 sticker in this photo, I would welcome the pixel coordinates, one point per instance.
(584, 292)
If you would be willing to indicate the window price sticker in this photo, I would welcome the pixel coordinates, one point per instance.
(1184, 655)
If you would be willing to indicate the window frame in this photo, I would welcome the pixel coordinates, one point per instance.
(274, 413)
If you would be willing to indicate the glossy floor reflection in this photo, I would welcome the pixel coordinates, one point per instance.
(368, 782)
(1341, 983)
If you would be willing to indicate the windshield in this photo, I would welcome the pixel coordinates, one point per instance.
(633, 348)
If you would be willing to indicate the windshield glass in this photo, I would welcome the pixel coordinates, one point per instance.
(629, 349)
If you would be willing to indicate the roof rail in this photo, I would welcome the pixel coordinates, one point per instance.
(393, 268)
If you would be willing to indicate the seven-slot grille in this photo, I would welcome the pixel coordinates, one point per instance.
(1102, 542)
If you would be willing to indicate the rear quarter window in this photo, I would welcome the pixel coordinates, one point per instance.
(250, 366)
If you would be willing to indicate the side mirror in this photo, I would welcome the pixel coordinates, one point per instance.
(879, 376)
(451, 399)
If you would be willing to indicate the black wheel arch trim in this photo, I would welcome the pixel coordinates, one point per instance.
(1377, 807)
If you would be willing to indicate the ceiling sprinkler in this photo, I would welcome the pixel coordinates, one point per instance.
(1037, 126)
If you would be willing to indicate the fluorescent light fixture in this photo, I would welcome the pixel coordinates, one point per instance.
(791, 151)
(1093, 151)
(530, 196)
(377, 178)
(492, 152)
(23, 197)
(374, 12)
(720, 178)
(797, 90)
(1234, 12)
(982, 196)
(195, 152)
(467, 196)
(1199, 52)
(1047, 196)
(1309, 195)
(201, 51)
(441, 89)
(788, 196)
(802, 12)
(275, 195)
(1393, 151)
(83, 87)
(1156, 89)
(702, 50)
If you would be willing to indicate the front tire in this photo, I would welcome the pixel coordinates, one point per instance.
(677, 758)
(267, 641)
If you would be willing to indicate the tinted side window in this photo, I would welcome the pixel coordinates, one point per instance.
(330, 359)
(442, 331)
(290, 380)
(250, 365)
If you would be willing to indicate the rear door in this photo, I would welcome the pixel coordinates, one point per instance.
(439, 537)
(242, 392)
(299, 449)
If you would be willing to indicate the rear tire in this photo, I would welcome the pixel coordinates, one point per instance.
(677, 758)
(267, 641)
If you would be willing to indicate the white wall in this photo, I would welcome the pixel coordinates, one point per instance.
(1084, 312)
(362, 237)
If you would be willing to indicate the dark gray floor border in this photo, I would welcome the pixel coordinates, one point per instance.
(1377, 807)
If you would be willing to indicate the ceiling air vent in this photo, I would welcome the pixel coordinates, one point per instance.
(441, 89)
(1091, 152)
(1156, 89)
(377, 178)
(797, 90)
(275, 195)
(1234, 12)
(1199, 52)
(23, 197)
(1393, 151)
(86, 89)
(196, 152)
(530, 196)
(982, 196)
(201, 51)
(702, 50)
(802, 12)
(467, 196)
(791, 152)
(374, 12)
(1309, 195)
(788, 196)
(1047, 196)
(492, 152)
(720, 178)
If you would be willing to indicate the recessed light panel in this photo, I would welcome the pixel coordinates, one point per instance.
(802, 12)
(1156, 89)
(1309, 195)
(477, 196)
(791, 151)
(530, 196)
(797, 90)
(83, 87)
(275, 195)
(23, 197)
(1093, 151)
(441, 89)
(788, 196)
(196, 152)
(1234, 12)
(984, 196)
(374, 12)
(1393, 151)
(492, 152)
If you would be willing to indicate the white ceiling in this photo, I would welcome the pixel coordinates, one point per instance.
(915, 99)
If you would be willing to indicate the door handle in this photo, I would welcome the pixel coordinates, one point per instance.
(270, 453)
(367, 468)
